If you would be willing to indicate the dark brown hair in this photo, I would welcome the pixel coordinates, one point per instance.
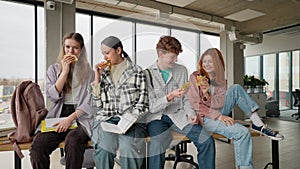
(168, 44)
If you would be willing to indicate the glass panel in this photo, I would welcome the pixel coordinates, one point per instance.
(188, 40)
(208, 41)
(41, 49)
(296, 74)
(83, 26)
(269, 75)
(296, 70)
(284, 81)
(147, 37)
(17, 48)
(252, 66)
(104, 27)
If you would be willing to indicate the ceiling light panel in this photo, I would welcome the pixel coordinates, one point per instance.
(244, 15)
(114, 2)
(65, 1)
(126, 4)
(181, 3)
(146, 9)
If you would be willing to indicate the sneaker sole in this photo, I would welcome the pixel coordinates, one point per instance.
(271, 137)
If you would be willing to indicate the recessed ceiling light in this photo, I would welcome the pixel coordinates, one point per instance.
(244, 15)
(181, 3)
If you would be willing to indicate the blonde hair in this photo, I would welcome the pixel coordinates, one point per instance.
(219, 65)
(82, 66)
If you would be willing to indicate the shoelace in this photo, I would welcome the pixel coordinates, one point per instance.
(268, 130)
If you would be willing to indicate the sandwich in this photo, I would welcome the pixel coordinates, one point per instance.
(74, 56)
(185, 86)
(201, 80)
(104, 64)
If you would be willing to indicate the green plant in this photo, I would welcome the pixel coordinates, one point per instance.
(253, 81)
(263, 82)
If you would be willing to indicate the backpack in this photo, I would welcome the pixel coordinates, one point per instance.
(27, 110)
(150, 76)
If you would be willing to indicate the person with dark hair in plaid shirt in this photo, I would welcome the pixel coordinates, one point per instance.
(119, 90)
(169, 108)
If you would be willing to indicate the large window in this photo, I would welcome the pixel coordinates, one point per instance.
(83, 26)
(41, 48)
(24, 53)
(269, 75)
(147, 37)
(281, 71)
(17, 41)
(189, 41)
(252, 66)
(104, 27)
(208, 41)
(296, 70)
(284, 74)
(17, 48)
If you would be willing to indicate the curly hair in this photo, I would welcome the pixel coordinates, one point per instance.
(168, 44)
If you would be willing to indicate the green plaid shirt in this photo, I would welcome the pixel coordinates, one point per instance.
(129, 96)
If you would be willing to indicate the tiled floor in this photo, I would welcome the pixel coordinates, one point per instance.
(289, 151)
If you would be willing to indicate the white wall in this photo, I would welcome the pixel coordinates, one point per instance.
(273, 44)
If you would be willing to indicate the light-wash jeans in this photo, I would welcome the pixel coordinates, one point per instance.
(131, 146)
(159, 131)
(241, 135)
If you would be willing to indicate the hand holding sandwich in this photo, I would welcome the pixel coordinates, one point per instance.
(67, 61)
(99, 70)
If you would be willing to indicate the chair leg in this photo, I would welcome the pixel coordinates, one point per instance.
(297, 114)
(62, 152)
(179, 157)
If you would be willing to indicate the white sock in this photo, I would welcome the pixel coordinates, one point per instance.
(256, 119)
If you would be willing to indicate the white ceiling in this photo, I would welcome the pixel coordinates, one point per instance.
(208, 15)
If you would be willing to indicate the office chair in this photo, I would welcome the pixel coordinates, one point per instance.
(296, 95)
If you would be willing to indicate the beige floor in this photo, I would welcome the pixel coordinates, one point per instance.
(289, 151)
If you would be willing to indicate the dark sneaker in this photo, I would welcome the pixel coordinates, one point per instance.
(264, 130)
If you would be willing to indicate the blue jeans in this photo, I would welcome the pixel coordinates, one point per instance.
(159, 131)
(131, 146)
(241, 135)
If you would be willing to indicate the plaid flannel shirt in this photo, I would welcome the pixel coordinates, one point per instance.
(129, 96)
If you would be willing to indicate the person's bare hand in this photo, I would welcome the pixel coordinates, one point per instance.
(204, 86)
(63, 125)
(194, 120)
(98, 67)
(98, 71)
(175, 93)
(227, 120)
(66, 62)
